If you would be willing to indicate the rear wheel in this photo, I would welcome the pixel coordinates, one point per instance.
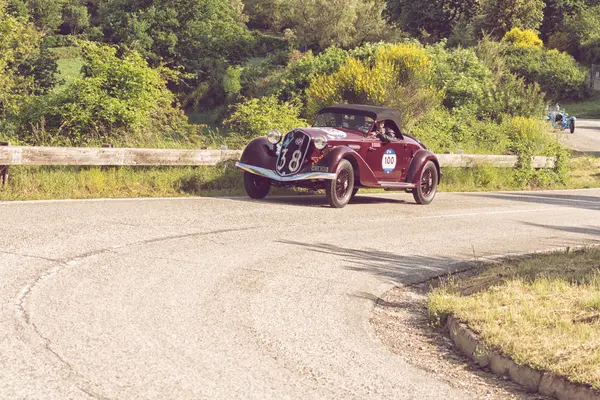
(572, 126)
(256, 186)
(339, 190)
(426, 190)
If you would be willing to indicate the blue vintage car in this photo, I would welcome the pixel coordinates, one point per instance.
(561, 119)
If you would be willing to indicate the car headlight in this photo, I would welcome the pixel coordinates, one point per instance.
(320, 142)
(274, 136)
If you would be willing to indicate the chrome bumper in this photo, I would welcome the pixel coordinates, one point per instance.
(267, 173)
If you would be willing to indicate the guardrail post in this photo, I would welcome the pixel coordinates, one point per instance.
(107, 146)
(4, 169)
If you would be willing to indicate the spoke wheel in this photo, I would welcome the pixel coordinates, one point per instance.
(339, 190)
(428, 183)
(257, 187)
(572, 126)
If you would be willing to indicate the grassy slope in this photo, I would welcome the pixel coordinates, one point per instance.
(543, 312)
(587, 109)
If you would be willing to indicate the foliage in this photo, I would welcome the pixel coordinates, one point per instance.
(46, 14)
(522, 38)
(26, 70)
(116, 97)
(466, 80)
(318, 24)
(202, 37)
(303, 68)
(557, 73)
(580, 35)
(401, 77)
(255, 117)
(500, 16)
(433, 20)
(76, 17)
(231, 81)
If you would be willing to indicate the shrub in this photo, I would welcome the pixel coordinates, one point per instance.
(465, 79)
(256, 117)
(523, 38)
(231, 81)
(303, 68)
(557, 73)
(512, 96)
(116, 98)
(445, 131)
(400, 78)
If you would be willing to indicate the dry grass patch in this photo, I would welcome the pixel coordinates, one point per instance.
(543, 311)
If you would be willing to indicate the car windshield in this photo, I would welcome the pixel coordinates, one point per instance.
(341, 120)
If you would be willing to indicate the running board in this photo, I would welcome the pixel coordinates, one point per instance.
(397, 185)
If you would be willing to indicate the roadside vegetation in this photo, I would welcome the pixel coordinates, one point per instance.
(588, 108)
(40, 183)
(543, 311)
(474, 76)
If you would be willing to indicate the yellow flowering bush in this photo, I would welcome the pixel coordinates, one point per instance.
(523, 38)
(399, 77)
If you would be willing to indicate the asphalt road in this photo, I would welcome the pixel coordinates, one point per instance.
(231, 298)
(586, 138)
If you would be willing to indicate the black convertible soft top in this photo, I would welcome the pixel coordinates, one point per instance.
(374, 112)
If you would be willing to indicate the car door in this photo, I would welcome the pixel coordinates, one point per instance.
(387, 160)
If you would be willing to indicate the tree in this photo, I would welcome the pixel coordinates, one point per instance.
(203, 37)
(26, 71)
(76, 17)
(557, 12)
(119, 97)
(46, 14)
(580, 35)
(436, 18)
(500, 16)
(318, 24)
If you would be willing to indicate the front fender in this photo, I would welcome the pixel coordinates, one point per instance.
(418, 162)
(260, 153)
(362, 171)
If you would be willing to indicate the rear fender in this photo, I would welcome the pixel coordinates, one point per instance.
(362, 171)
(260, 153)
(418, 162)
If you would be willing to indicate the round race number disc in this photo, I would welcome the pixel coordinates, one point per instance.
(388, 163)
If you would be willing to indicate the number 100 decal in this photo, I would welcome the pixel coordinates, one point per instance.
(293, 152)
(388, 163)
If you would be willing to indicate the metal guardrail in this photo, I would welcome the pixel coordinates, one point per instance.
(106, 156)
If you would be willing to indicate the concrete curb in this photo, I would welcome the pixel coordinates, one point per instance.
(545, 383)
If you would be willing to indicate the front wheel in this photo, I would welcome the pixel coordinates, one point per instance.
(572, 126)
(256, 186)
(426, 190)
(339, 190)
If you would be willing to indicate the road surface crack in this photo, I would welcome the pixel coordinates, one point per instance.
(81, 382)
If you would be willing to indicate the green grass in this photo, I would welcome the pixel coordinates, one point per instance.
(543, 311)
(69, 65)
(589, 108)
(36, 183)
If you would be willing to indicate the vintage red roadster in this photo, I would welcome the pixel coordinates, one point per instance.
(349, 147)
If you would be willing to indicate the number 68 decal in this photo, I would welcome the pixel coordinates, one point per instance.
(295, 162)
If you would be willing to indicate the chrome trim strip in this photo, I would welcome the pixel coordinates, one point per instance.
(267, 173)
(397, 185)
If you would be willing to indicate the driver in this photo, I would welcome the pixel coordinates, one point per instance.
(384, 133)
